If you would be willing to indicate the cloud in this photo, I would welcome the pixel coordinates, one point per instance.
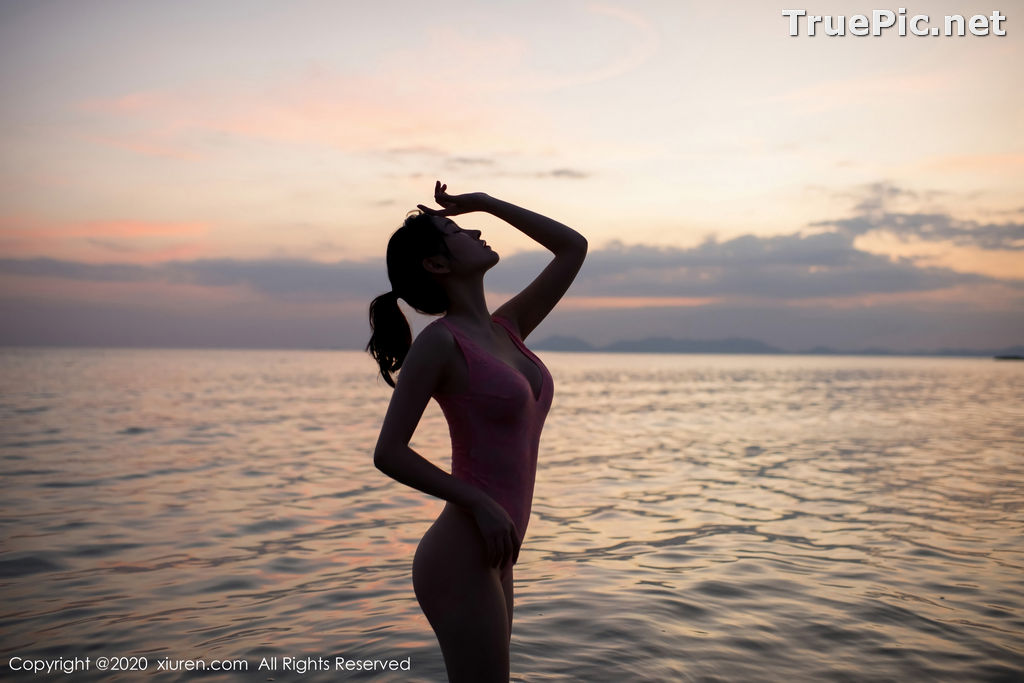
(70, 270)
(793, 291)
(149, 241)
(935, 227)
(30, 226)
(455, 162)
(903, 326)
(415, 149)
(283, 279)
(112, 245)
(877, 195)
(787, 267)
(784, 267)
(872, 214)
(352, 113)
(109, 323)
(799, 268)
(1008, 162)
(557, 173)
(496, 166)
(568, 173)
(508, 60)
(467, 85)
(255, 324)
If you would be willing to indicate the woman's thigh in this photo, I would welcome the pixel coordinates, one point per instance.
(506, 585)
(463, 598)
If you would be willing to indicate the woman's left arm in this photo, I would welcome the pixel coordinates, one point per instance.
(529, 307)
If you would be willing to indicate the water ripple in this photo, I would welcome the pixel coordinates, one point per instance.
(697, 518)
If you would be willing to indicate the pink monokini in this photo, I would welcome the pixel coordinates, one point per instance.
(495, 425)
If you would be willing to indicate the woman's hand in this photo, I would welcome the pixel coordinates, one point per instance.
(499, 532)
(455, 204)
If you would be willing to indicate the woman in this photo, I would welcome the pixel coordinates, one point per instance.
(495, 395)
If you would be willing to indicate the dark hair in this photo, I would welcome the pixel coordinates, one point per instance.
(417, 239)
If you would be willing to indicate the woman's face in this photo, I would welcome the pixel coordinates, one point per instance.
(468, 252)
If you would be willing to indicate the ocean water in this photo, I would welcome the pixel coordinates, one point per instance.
(697, 518)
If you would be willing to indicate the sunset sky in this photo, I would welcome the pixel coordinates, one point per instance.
(213, 173)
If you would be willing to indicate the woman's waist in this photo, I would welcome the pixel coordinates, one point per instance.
(517, 502)
(485, 464)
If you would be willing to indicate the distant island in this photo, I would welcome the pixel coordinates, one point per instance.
(752, 346)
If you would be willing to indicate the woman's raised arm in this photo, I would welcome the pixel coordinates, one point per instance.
(527, 309)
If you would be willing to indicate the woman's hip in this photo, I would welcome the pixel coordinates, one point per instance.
(450, 564)
(452, 541)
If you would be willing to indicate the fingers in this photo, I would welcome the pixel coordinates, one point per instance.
(437, 212)
(441, 198)
(499, 536)
(502, 549)
(511, 548)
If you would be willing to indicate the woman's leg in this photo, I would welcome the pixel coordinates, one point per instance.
(463, 599)
(506, 586)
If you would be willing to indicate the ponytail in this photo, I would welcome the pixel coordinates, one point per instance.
(417, 239)
(391, 336)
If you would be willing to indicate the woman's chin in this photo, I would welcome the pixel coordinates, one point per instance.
(494, 259)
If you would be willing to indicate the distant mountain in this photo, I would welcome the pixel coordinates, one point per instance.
(670, 345)
(659, 345)
(739, 345)
(558, 343)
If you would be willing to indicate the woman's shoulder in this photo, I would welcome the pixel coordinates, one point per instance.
(430, 354)
(434, 340)
(438, 346)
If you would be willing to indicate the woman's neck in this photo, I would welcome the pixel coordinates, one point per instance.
(466, 301)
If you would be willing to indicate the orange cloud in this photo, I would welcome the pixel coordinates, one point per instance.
(976, 162)
(1005, 264)
(353, 113)
(101, 240)
(407, 97)
(994, 297)
(598, 302)
(38, 227)
(147, 147)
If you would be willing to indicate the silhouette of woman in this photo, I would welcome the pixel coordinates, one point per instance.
(495, 395)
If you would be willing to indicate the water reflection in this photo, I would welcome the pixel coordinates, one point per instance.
(696, 517)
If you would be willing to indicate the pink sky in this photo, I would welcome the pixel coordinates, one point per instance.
(287, 139)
